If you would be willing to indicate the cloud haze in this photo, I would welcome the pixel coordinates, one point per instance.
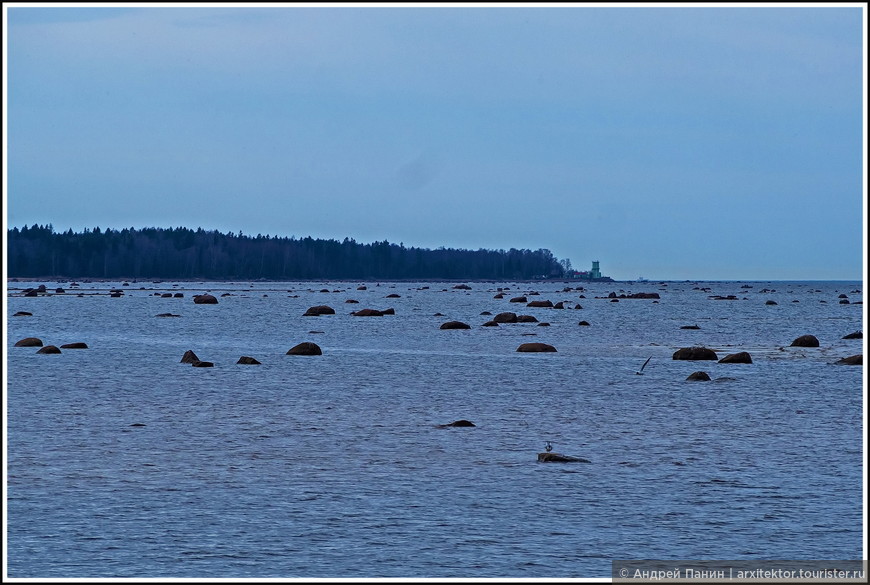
(669, 142)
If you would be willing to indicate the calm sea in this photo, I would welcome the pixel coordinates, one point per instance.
(124, 462)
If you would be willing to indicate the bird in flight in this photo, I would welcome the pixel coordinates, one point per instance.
(640, 373)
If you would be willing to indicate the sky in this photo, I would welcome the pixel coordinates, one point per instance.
(670, 142)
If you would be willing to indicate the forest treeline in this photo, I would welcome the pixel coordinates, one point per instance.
(183, 253)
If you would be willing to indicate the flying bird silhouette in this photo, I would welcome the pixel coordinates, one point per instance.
(640, 373)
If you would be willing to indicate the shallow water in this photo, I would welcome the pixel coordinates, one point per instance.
(334, 465)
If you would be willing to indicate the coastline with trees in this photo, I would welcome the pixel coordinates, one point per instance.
(184, 253)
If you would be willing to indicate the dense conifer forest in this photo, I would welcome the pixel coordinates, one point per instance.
(183, 253)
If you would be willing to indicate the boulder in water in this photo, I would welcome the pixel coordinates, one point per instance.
(546, 304)
(458, 423)
(75, 345)
(536, 347)
(506, 317)
(189, 357)
(319, 310)
(806, 341)
(695, 353)
(205, 299)
(305, 348)
(49, 349)
(455, 325)
(29, 342)
(247, 360)
(737, 358)
(698, 377)
(559, 458)
(368, 313)
(852, 360)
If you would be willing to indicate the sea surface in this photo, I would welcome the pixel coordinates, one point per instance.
(123, 462)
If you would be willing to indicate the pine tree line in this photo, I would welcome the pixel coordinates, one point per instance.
(183, 253)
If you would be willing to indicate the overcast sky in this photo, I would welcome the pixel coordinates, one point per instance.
(668, 142)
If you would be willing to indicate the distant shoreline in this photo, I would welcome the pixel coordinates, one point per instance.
(648, 282)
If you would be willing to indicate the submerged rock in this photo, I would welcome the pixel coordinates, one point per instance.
(458, 423)
(737, 358)
(205, 299)
(368, 313)
(49, 349)
(305, 348)
(856, 335)
(201, 364)
(698, 377)
(695, 353)
(506, 317)
(455, 325)
(247, 360)
(29, 342)
(536, 347)
(319, 310)
(806, 341)
(23, 314)
(545, 304)
(559, 458)
(852, 360)
(75, 345)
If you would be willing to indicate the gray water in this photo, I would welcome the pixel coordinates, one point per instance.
(335, 466)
